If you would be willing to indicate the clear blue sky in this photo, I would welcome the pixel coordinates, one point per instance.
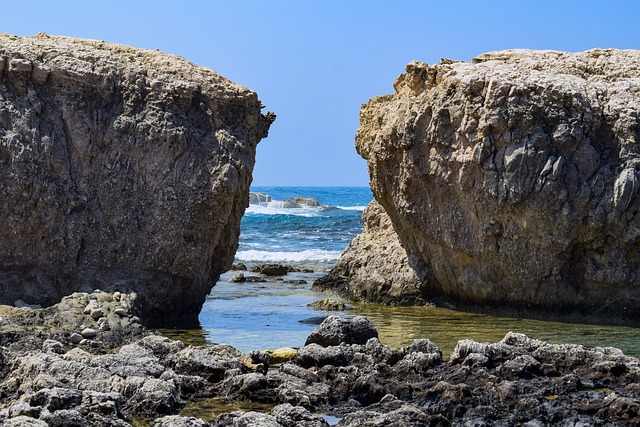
(315, 62)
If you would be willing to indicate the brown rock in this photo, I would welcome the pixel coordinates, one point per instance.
(512, 181)
(121, 169)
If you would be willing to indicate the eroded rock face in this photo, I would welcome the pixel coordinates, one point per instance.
(375, 267)
(121, 169)
(512, 180)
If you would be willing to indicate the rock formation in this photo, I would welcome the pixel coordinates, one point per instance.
(375, 266)
(512, 181)
(121, 169)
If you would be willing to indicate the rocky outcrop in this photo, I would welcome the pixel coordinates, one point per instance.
(512, 181)
(121, 169)
(375, 267)
(343, 370)
(98, 322)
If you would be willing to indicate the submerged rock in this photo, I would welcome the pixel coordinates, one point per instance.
(137, 165)
(510, 182)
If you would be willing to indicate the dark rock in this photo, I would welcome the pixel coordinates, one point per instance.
(336, 330)
(274, 270)
(239, 267)
(238, 278)
(140, 167)
(328, 304)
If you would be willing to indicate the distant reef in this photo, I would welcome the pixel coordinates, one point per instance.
(510, 182)
(121, 169)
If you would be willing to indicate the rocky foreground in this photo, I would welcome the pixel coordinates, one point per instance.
(121, 169)
(113, 378)
(508, 182)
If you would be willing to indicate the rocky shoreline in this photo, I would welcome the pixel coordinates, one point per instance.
(129, 375)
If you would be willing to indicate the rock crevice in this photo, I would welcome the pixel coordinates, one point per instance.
(512, 180)
(121, 169)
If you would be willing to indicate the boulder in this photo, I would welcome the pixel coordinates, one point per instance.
(338, 330)
(121, 169)
(511, 182)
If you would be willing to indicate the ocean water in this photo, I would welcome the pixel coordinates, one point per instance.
(274, 314)
(313, 237)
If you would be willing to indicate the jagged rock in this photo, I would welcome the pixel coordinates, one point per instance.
(511, 182)
(271, 269)
(328, 304)
(137, 165)
(374, 267)
(337, 330)
(259, 198)
(68, 322)
(300, 202)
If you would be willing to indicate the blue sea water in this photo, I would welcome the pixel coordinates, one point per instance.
(312, 237)
(256, 316)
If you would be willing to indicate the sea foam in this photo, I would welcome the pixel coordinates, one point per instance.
(298, 256)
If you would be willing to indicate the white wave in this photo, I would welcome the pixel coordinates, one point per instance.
(278, 210)
(301, 256)
(351, 208)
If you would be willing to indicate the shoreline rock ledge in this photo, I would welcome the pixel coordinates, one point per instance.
(121, 169)
(511, 183)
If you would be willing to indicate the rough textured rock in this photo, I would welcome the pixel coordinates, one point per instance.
(512, 180)
(336, 330)
(121, 169)
(74, 321)
(375, 267)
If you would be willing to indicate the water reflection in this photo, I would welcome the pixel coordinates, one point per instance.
(398, 326)
(258, 316)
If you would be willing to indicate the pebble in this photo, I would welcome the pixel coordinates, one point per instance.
(117, 296)
(97, 313)
(93, 304)
(88, 333)
(120, 312)
(75, 338)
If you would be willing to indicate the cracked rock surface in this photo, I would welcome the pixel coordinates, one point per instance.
(121, 169)
(510, 181)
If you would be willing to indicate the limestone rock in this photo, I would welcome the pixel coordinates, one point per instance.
(512, 181)
(121, 169)
(374, 267)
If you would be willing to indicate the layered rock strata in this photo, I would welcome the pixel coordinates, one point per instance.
(121, 169)
(512, 181)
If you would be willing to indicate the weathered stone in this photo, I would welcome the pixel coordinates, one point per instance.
(337, 330)
(328, 304)
(374, 267)
(88, 333)
(140, 163)
(511, 182)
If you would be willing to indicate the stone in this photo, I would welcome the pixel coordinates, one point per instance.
(89, 333)
(179, 421)
(97, 313)
(141, 164)
(283, 354)
(274, 270)
(238, 278)
(510, 183)
(259, 199)
(338, 330)
(328, 304)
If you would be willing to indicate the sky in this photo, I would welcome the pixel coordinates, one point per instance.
(314, 63)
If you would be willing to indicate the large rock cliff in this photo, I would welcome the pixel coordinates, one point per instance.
(121, 169)
(512, 181)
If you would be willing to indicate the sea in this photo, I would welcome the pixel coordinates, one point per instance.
(312, 237)
(275, 313)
